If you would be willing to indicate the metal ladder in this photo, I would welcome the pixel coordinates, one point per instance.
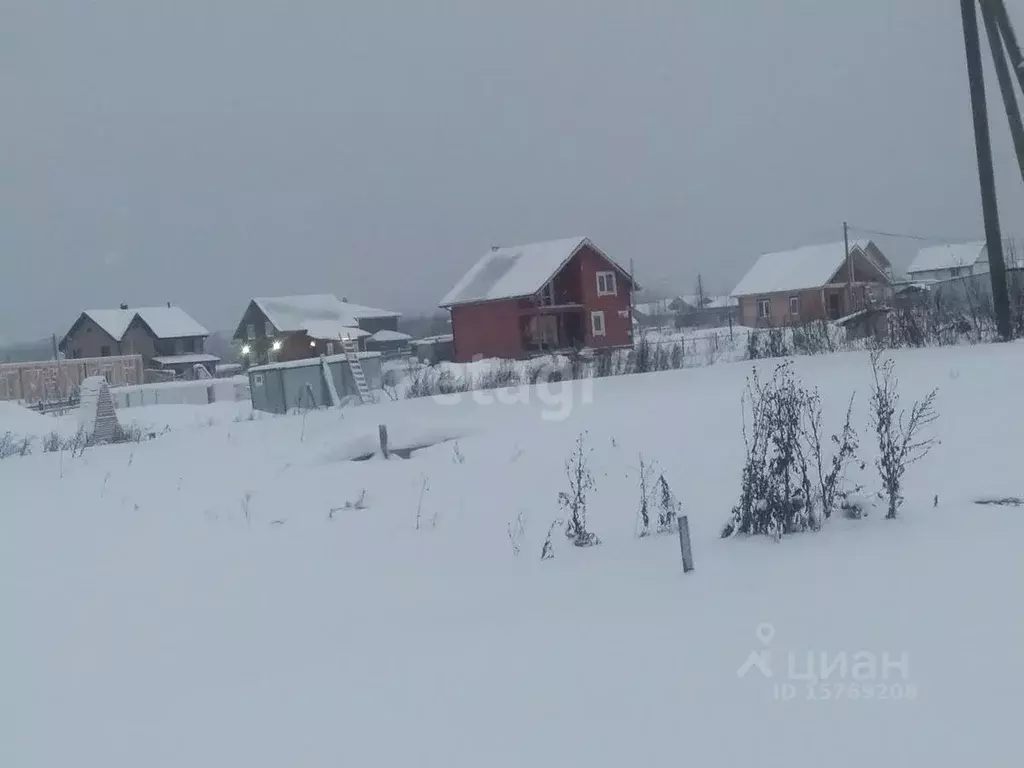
(351, 349)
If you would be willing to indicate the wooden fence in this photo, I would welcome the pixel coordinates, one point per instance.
(46, 381)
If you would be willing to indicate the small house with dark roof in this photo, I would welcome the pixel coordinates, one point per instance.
(524, 300)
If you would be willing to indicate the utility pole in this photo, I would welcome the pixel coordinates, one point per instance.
(997, 9)
(986, 176)
(849, 269)
(995, 44)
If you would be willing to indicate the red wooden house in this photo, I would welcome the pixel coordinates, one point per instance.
(526, 300)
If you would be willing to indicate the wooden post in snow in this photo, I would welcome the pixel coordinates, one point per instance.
(382, 430)
(684, 544)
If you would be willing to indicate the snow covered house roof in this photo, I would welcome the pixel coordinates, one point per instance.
(164, 322)
(517, 271)
(811, 266)
(321, 315)
(385, 334)
(948, 256)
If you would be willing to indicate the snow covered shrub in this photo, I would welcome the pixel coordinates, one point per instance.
(668, 506)
(776, 487)
(506, 374)
(900, 443)
(641, 357)
(51, 443)
(516, 532)
(450, 384)
(777, 345)
(547, 552)
(422, 382)
(131, 433)
(643, 527)
(813, 338)
(754, 345)
(676, 356)
(14, 446)
(604, 365)
(574, 501)
(829, 473)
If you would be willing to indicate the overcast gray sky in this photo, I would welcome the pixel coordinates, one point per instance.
(204, 151)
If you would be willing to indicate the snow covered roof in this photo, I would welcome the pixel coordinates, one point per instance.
(186, 359)
(321, 315)
(308, 361)
(710, 302)
(387, 335)
(809, 267)
(332, 329)
(948, 256)
(165, 322)
(516, 271)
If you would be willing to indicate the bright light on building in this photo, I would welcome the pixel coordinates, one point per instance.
(246, 349)
(312, 342)
(276, 346)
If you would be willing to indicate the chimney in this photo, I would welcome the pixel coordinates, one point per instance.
(495, 247)
(124, 306)
(345, 299)
(168, 305)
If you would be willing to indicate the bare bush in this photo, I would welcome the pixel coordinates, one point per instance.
(516, 532)
(900, 441)
(547, 552)
(668, 506)
(775, 498)
(574, 501)
(646, 472)
(829, 473)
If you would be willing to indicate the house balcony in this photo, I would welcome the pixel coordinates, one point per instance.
(547, 302)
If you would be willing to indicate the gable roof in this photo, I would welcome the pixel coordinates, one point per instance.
(517, 271)
(811, 266)
(321, 315)
(164, 322)
(948, 256)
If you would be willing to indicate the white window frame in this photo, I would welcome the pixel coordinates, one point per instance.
(257, 379)
(794, 306)
(610, 287)
(761, 305)
(597, 319)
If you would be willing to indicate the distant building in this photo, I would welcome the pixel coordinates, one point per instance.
(941, 262)
(816, 282)
(167, 338)
(525, 300)
(287, 328)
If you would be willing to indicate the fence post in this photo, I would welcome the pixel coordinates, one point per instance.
(684, 544)
(382, 431)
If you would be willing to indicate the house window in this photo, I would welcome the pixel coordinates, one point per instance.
(606, 284)
(794, 306)
(764, 308)
(257, 379)
(268, 329)
(105, 351)
(330, 347)
(956, 271)
(179, 346)
(250, 331)
(597, 323)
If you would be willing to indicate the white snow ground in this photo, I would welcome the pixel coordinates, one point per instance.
(191, 601)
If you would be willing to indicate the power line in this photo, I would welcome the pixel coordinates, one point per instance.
(905, 236)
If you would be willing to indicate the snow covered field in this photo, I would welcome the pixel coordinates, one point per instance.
(207, 599)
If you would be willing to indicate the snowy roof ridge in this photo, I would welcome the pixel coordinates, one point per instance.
(810, 266)
(323, 313)
(948, 256)
(165, 322)
(516, 271)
